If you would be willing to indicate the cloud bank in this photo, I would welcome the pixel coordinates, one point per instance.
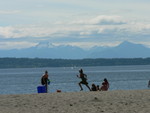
(97, 30)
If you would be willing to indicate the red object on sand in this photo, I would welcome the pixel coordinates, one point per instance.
(58, 91)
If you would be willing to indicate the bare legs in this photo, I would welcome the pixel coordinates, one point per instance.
(80, 86)
(86, 86)
(46, 85)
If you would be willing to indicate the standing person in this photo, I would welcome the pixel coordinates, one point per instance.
(83, 79)
(105, 85)
(149, 84)
(44, 80)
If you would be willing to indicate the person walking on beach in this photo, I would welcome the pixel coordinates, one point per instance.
(83, 79)
(105, 85)
(44, 80)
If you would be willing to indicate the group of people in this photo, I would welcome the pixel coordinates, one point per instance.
(104, 87)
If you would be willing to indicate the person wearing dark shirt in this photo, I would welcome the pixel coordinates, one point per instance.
(83, 79)
(44, 80)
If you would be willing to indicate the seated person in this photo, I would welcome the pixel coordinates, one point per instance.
(98, 89)
(105, 85)
(94, 88)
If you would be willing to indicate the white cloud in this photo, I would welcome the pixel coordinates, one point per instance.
(89, 27)
(87, 45)
(140, 28)
(9, 12)
(16, 45)
(91, 31)
(26, 31)
(102, 20)
(84, 22)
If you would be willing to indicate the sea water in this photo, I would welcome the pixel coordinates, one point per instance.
(26, 80)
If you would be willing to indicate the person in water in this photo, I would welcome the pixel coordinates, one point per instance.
(105, 85)
(44, 80)
(83, 79)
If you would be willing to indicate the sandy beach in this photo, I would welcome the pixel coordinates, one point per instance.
(131, 101)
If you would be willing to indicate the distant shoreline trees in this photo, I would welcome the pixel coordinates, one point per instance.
(41, 62)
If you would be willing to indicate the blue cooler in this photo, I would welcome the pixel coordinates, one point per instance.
(41, 89)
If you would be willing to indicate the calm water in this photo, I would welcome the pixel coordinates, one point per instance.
(26, 80)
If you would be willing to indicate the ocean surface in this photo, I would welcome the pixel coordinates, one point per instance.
(26, 80)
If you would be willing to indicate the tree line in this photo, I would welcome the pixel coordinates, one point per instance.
(41, 62)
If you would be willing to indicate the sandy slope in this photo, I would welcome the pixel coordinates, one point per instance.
(137, 101)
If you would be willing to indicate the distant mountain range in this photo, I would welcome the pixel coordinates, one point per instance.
(46, 50)
(124, 50)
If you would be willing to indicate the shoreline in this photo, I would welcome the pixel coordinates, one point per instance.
(44, 62)
(116, 101)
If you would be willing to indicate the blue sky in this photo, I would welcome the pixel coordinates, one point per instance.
(86, 23)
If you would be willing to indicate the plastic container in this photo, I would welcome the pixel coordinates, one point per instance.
(41, 89)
